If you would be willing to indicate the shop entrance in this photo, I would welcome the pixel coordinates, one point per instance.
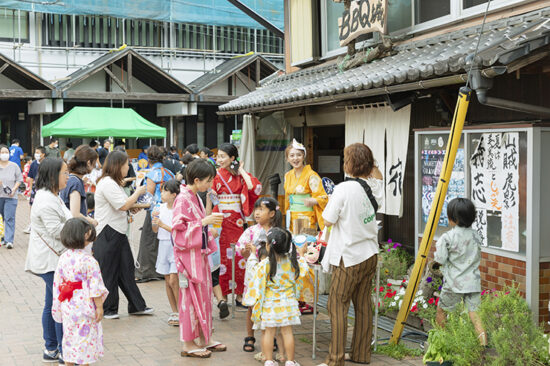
(328, 151)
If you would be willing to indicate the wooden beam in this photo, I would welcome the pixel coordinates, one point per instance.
(258, 74)
(156, 97)
(24, 94)
(4, 67)
(115, 79)
(525, 61)
(130, 73)
(215, 98)
(243, 80)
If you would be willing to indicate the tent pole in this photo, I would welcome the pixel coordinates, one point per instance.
(171, 130)
(41, 125)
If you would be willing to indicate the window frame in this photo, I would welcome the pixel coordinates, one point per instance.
(16, 18)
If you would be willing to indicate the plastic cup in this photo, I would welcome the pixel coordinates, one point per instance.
(219, 218)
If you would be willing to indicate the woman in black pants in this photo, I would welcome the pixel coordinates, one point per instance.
(111, 248)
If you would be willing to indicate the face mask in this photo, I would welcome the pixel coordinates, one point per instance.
(38, 156)
(5, 156)
(55, 146)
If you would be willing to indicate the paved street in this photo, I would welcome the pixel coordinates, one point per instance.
(128, 340)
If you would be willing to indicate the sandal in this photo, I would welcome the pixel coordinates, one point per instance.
(247, 346)
(275, 346)
(305, 308)
(240, 304)
(217, 347)
(194, 353)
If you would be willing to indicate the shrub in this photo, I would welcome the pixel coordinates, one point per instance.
(512, 332)
(395, 261)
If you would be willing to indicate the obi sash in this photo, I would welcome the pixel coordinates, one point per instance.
(67, 288)
(229, 202)
(296, 202)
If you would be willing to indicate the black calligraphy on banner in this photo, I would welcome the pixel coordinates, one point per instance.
(509, 191)
(493, 150)
(478, 157)
(510, 156)
(478, 187)
(396, 174)
(480, 225)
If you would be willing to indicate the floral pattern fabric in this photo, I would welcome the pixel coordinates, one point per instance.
(233, 225)
(275, 301)
(82, 335)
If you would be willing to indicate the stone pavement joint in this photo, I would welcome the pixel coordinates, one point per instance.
(130, 340)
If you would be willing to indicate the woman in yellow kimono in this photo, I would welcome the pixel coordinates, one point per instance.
(304, 196)
(304, 192)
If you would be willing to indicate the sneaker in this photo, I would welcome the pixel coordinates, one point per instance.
(61, 362)
(291, 363)
(270, 363)
(146, 311)
(110, 316)
(224, 309)
(9, 245)
(27, 230)
(50, 356)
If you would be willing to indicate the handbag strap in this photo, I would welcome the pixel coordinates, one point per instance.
(52, 249)
(367, 189)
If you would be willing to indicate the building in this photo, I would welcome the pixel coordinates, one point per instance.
(62, 44)
(397, 94)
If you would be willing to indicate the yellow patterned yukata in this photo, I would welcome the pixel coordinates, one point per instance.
(276, 301)
(308, 185)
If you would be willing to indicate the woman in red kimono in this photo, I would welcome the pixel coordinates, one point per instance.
(237, 192)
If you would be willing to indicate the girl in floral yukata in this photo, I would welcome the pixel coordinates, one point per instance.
(267, 215)
(193, 242)
(237, 192)
(78, 295)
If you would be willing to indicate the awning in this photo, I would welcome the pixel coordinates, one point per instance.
(102, 122)
(437, 61)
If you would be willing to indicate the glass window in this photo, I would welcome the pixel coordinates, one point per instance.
(334, 11)
(200, 134)
(221, 129)
(426, 10)
(10, 23)
(399, 15)
(471, 3)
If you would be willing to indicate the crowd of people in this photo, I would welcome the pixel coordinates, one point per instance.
(195, 230)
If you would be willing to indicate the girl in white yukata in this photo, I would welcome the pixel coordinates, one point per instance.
(78, 295)
(267, 215)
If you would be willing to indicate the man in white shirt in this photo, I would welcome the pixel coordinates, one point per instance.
(352, 253)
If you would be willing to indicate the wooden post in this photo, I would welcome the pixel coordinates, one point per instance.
(130, 76)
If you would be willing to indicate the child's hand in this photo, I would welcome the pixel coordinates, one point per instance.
(245, 253)
(98, 313)
(301, 250)
(155, 221)
(251, 247)
(214, 232)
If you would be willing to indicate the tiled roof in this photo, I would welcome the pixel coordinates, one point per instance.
(229, 67)
(503, 41)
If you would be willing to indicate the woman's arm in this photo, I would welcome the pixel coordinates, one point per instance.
(246, 177)
(151, 186)
(74, 203)
(133, 198)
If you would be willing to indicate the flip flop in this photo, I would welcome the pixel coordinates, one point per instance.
(193, 353)
(214, 347)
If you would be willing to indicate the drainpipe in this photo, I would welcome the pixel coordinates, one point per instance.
(482, 81)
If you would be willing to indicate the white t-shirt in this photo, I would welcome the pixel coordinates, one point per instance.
(109, 197)
(165, 215)
(354, 235)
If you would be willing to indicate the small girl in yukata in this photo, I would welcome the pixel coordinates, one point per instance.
(267, 215)
(274, 290)
(78, 295)
(166, 262)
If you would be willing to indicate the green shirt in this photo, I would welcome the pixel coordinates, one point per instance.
(459, 253)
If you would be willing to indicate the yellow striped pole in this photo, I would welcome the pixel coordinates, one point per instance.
(437, 204)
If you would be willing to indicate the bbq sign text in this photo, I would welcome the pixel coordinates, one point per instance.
(364, 16)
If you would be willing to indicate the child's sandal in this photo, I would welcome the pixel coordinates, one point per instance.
(248, 346)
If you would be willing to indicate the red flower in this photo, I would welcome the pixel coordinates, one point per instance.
(436, 301)
(414, 309)
(381, 288)
(431, 301)
(389, 284)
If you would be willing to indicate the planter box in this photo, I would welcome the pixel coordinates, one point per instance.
(436, 363)
(412, 320)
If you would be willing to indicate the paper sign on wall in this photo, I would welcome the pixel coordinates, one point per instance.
(494, 183)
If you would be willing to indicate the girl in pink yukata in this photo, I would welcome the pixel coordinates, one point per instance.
(78, 295)
(193, 242)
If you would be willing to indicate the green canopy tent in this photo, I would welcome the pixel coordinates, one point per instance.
(103, 121)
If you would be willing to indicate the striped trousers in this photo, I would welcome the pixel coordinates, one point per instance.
(351, 284)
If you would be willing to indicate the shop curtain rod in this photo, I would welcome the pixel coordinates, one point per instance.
(365, 106)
